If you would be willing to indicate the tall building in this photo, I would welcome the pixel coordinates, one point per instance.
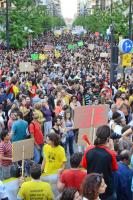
(54, 7)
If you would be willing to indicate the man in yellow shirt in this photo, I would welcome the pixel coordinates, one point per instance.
(35, 189)
(54, 160)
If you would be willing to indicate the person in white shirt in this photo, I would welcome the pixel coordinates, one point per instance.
(3, 193)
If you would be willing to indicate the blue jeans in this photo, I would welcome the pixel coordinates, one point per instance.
(69, 142)
(37, 154)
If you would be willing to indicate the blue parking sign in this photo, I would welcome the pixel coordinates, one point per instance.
(125, 45)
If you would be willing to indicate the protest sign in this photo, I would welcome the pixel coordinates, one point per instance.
(35, 56)
(90, 116)
(58, 47)
(57, 54)
(26, 67)
(91, 46)
(80, 43)
(43, 56)
(104, 55)
(70, 46)
(48, 47)
(26, 146)
(127, 60)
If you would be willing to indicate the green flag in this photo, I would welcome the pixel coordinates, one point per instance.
(80, 43)
(70, 46)
(35, 56)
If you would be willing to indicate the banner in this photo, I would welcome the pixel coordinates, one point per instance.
(80, 43)
(35, 56)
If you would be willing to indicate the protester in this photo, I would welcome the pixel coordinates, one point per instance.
(124, 176)
(93, 185)
(19, 128)
(71, 194)
(101, 158)
(35, 189)
(36, 132)
(68, 179)
(5, 155)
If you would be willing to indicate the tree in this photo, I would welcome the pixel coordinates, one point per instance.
(27, 18)
(100, 20)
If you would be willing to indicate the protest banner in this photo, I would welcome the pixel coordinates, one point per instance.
(26, 67)
(80, 43)
(35, 56)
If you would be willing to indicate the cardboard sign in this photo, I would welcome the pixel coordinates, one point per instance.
(104, 55)
(90, 116)
(127, 60)
(26, 67)
(17, 149)
(91, 46)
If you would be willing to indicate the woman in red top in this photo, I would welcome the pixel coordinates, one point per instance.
(36, 133)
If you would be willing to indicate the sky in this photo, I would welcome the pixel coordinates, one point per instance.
(69, 8)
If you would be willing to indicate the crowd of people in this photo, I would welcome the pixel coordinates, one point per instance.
(41, 104)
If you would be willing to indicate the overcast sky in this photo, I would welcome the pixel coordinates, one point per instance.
(69, 8)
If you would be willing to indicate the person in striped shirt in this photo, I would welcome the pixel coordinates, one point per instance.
(5, 155)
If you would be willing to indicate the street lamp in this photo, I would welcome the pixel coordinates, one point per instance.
(130, 19)
(7, 26)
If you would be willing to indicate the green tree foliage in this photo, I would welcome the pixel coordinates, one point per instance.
(26, 18)
(100, 20)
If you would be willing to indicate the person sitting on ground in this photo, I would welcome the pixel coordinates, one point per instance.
(67, 178)
(35, 189)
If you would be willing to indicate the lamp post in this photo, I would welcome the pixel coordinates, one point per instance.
(7, 26)
(130, 19)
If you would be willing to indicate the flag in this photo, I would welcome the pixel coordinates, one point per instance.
(35, 56)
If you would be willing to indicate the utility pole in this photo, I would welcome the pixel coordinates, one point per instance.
(7, 26)
(130, 19)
